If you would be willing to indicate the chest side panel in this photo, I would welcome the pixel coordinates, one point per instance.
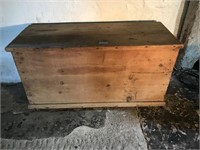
(96, 75)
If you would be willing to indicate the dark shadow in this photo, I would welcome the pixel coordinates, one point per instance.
(21, 123)
(196, 65)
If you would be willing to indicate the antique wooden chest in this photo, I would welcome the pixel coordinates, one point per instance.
(96, 64)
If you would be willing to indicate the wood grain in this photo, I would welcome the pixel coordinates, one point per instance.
(93, 34)
(137, 59)
(133, 74)
(111, 64)
(96, 105)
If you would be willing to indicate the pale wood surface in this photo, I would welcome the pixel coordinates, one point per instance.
(111, 64)
(95, 105)
(73, 35)
(127, 74)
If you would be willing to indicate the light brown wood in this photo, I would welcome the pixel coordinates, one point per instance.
(59, 74)
(141, 58)
(96, 105)
(78, 76)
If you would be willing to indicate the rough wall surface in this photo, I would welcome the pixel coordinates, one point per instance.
(192, 53)
(17, 14)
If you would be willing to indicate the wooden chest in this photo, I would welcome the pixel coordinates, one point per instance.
(99, 64)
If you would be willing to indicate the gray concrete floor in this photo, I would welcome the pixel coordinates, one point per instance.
(66, 129)
(175, 126)
(120, 131)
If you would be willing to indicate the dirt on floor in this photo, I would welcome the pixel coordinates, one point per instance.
(175, 126)
(17, 122)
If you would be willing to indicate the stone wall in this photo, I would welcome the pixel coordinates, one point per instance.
(192, 52)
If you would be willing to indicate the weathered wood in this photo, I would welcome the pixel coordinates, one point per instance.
(70, 35)
(100, 75)
(96, 105)
(58, 73)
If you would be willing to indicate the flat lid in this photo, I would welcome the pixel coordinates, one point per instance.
(93, 34)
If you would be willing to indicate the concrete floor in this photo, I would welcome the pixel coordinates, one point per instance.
(120, 131)
(175, 126)
(66, 129)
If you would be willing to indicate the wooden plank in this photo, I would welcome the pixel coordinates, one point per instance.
(96, 88)
(73, 35)
(96, 76)
(135, 59)
(96, 105)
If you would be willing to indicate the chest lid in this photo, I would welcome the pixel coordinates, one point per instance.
(92, 34)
